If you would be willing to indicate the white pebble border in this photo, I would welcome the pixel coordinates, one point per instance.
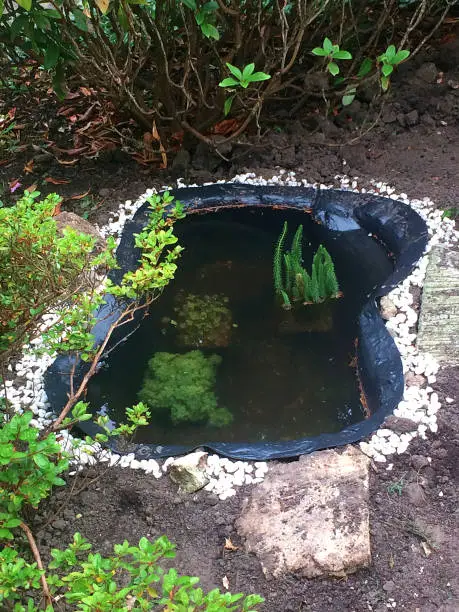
(419, 404)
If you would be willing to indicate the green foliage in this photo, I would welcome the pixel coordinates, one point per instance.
(160, 251)
(29, 468)
(388, 61)
(131, 578)
(241, 78)
(169, 60)
(203, 321)
(292, 283)
(331, 53)
(39, 266)
(181, 388)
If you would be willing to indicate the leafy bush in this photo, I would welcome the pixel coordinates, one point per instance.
(181, 387)
(162, 62)
(293, 284)
(40, 268)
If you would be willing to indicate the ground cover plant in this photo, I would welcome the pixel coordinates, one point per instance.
(32, 462)
(178, 68)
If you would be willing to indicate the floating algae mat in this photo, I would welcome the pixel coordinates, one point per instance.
(222, 347)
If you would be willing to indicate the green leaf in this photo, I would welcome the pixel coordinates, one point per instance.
(319, 51)
(25, 4)
(385, 83)
(42, 461)
(327, 46)
(42, 21)
(401, 56)
(6, 534)
(342, 55)
(210, 31)
(259, 76)
(348, 97)
(387, 69)
(365, 67)
(228, 82)
(333, 68)
(51, 58)
(80, 19)
(210, 6)
(227, 106)
(234, 71)
(248, 70)
(2, 7)
(390, 52)
(191, 4)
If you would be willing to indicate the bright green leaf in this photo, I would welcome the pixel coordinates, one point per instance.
(234, 71)
(228, 82)
(42, 461)
(248, 70)
(210, 31)
(333, 68)
(319, 51)
(327, 46)
(191, 4)
(387, 69)
(401, 56)
(390, 52)
(259, 76)
(342, 55)
(25, 4)
(2, 7)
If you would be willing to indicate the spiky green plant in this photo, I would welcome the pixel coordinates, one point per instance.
(292, 283)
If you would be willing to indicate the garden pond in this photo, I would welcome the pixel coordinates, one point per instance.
(278, 376)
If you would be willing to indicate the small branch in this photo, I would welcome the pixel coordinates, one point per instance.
(37, 557)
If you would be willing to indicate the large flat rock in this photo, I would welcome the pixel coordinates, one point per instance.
(438, 332)
(311, 516)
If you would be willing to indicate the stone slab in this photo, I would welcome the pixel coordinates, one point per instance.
(438, 332)
(311, 516)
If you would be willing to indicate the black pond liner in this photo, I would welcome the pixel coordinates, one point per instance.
(349, 217)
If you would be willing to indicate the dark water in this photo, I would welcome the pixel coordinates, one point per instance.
(279, 382)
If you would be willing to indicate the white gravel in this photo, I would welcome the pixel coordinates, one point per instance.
(25, 387)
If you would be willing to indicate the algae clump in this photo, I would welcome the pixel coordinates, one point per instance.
(181, 387)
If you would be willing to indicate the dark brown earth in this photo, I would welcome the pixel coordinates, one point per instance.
(414, 507)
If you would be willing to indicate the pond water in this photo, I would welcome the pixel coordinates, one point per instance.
(279, 381)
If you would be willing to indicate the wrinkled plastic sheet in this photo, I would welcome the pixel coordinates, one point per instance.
(348, 216)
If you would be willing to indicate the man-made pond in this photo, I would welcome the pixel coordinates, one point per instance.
(279, 377)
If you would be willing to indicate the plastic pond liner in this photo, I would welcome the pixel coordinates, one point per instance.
(375, 242)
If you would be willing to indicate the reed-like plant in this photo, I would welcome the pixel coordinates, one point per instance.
(292, 282)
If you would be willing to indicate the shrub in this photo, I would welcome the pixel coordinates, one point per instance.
(162, 62)
(40, 267)
(181, 387)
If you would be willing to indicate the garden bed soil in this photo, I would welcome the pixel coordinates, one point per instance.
(414, 147)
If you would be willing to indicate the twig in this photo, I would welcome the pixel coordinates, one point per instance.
(37, 557)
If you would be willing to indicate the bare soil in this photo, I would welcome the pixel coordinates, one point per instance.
(414, 507)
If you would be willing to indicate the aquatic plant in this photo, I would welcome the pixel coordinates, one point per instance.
(203, 320)
(292, 283)
(181, 386)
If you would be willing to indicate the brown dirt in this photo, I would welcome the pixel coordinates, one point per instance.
(414, 147)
